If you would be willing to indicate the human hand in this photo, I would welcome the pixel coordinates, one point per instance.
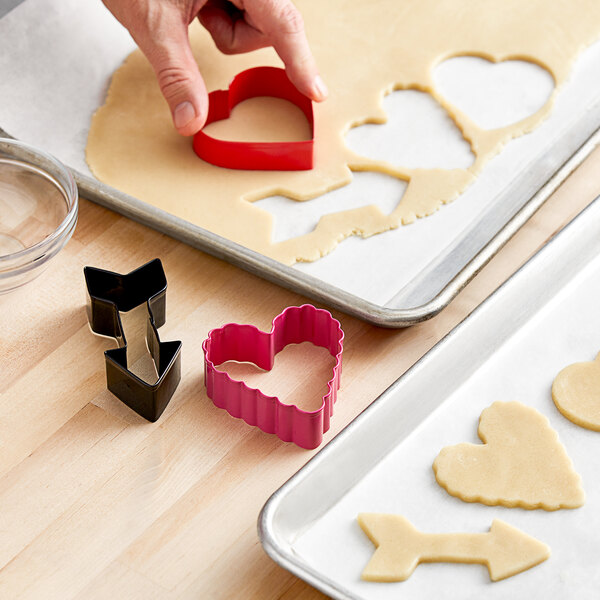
(160, 29)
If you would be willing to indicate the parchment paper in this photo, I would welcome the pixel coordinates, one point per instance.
(56, 60)
(563, 332)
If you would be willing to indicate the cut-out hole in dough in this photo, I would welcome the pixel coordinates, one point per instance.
(292, 218)
(493, 95)
(253, 120)
(418, 134)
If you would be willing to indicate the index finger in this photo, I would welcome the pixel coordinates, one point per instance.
(282, 24)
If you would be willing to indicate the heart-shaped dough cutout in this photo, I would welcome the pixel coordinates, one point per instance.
(521, 463)
(576, 393)
(494, 95)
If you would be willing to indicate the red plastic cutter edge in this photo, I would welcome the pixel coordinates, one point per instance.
(266, 156)
(233, 341)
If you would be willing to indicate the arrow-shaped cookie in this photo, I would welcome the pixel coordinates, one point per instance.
(504, 550)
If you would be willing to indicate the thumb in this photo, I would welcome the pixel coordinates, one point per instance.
(180, 82)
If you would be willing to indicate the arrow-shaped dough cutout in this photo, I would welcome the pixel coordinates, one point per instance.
(504, 550)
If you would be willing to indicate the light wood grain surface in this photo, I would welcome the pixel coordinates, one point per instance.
(96, 503)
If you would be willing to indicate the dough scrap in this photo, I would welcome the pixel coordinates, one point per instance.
(521, 463)
(504, 550)
(576, 393)
(364, 50)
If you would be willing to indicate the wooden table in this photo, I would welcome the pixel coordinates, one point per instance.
(97, 503)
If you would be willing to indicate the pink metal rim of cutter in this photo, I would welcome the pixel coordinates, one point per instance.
(264, 156)
(247, 343)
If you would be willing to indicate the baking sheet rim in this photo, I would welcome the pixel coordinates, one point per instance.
(308, 285)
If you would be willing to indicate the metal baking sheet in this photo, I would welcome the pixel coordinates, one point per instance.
(50, 91)
(542, 319)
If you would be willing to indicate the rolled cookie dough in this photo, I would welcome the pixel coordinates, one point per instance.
(364, 51)
(521, 463)
(504, 550)
(576, 393)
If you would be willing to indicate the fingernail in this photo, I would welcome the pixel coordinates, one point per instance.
(183, 114)
(320, 88)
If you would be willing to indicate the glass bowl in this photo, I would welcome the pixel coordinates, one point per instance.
(38, 212)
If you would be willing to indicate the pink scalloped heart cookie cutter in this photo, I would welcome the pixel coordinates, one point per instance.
(247, 343)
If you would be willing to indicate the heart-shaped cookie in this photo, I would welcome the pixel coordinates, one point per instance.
(521, 463)
(266, 156)
(576, 393)
(246, 343)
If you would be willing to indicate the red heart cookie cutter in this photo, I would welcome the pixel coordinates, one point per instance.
(265, 156)
(246, 343)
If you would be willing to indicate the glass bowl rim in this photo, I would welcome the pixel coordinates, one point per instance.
(69, 191)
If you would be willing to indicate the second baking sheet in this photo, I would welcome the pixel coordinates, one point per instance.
(543, 319)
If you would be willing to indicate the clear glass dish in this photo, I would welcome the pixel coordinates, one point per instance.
(38, 211)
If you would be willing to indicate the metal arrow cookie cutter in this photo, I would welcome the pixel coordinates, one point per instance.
(246, 343)
(110, 293)
(267, 156)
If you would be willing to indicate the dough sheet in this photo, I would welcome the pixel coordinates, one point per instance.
(364, 51)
